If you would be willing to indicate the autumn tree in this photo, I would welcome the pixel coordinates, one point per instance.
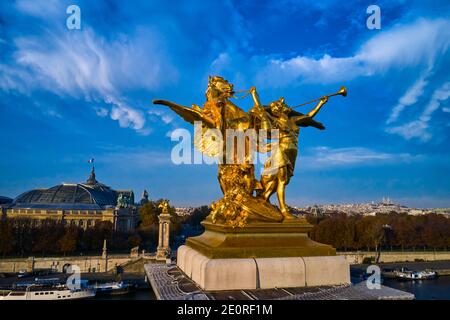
(149, 214)
(68, 242)
(197, 216)
(134, 240)
(47, 236)
(6, 237)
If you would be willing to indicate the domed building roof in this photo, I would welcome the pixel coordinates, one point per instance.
(90, 195)
(5, 200)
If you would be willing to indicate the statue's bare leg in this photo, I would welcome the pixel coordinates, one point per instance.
(282, 182)
(269, 184)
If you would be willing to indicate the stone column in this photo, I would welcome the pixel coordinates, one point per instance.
(30, 264)
(160, 233)
(163, 251)
(105, 255)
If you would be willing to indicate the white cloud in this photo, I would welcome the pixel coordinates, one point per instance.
(419, 128)
(323, 157)
(440, 95)
(81, 62)
(41, 9)
(82, 65)
(403, 46)
(166, 118)
(413, 129)
(409, 98)
(220, 63)
(14, 79)
(127, 117)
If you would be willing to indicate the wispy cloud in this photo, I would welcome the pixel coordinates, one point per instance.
(164, 116)
(409, 98)
(324, 157)
(403, 46)
(84, 65)
(420, 127)
(41, 9)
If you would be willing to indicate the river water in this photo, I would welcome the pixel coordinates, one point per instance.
(435, 289)
(135, 295)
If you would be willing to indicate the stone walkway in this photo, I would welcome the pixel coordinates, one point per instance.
(170, 283)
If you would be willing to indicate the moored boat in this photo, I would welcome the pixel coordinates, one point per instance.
(47, 293)
(112, 288)
(405, 274)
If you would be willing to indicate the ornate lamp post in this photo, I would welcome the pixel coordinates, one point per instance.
(163, 250)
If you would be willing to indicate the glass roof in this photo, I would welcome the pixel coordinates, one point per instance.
(70, 194)
(89, 195)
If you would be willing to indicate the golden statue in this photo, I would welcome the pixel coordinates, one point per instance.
(246, 200)
(279, 168)
(164, 206)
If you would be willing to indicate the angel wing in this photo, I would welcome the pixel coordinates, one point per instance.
(188, 114)
(204, 143)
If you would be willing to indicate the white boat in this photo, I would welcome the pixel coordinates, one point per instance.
(112, 288)
(405, 274)
(51, 293)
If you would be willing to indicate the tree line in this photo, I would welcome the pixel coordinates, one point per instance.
(394, 231)
(391, 231)
(21, 237)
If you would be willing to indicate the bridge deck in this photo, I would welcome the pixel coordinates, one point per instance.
(170, 283)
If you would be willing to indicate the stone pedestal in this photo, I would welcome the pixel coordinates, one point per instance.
(260, 256)
(258, 240)
(262, 273)
(163, 250)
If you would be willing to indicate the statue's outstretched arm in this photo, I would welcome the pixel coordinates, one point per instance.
(258, 111)
(306, 120)
(317, 108)
(255, 96)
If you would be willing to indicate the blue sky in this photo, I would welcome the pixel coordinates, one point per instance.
(70, 95)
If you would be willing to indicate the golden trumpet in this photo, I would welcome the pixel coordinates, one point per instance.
(341, 92)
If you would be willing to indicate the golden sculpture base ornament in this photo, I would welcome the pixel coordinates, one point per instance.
(258, 240)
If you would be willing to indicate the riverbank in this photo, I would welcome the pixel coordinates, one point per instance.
(86, 264)
(441, 267)
(359, 257)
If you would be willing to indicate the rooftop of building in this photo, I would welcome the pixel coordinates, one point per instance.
(5, 200)
(89, 195)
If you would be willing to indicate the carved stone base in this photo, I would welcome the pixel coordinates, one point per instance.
(258, 240)
(262, 273)
(162, 254)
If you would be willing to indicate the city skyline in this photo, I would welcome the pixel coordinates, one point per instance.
(72, 95)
